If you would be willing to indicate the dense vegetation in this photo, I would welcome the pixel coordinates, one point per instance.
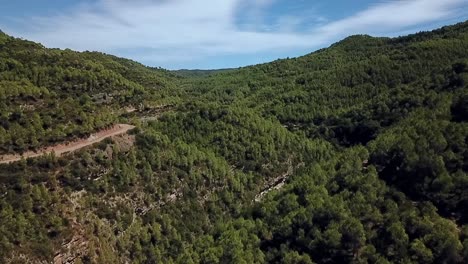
(369, 135)
(49, 95)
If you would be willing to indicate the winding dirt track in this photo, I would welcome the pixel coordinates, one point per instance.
(61, 149)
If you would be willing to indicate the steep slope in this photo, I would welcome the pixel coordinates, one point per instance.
(405, 98)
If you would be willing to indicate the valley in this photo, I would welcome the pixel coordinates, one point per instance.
(355, 153)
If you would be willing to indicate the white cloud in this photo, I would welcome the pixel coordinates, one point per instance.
(183, 30)
(394, 15)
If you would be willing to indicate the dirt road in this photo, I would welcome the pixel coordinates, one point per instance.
(70, 146)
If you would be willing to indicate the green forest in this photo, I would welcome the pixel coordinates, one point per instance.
(356, 153)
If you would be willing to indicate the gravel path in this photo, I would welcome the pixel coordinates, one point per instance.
(61, 149)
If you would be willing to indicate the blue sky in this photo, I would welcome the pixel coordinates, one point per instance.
(208, 34)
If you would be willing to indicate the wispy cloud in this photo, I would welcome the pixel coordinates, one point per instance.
(395, 15)
(161, 31)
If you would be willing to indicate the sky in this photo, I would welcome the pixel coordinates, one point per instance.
(212, 34)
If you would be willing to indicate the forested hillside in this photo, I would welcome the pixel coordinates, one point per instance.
(357, 153)
(49, 95)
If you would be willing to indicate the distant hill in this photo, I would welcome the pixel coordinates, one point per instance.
(198, 73)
